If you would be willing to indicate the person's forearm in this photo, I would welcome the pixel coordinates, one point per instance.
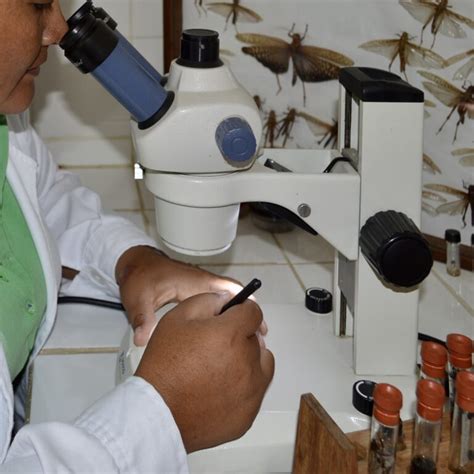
(129, 430)
(133, 258)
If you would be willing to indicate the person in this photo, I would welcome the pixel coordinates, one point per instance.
(202, 378)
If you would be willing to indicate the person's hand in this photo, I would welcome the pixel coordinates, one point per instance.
(148, 280)
(209, 369)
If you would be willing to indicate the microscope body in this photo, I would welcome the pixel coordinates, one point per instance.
(383, 131)
(184, 141)
(197, 140)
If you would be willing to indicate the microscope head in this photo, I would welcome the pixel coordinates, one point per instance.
(213, 128)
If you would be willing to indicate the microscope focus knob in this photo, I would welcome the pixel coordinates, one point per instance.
(236, 141)
(396, 249)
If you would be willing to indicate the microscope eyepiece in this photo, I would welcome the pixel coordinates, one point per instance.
(199, 49)
(94, 45)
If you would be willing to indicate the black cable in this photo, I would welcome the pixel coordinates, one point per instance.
(90, 301)
(426, 337)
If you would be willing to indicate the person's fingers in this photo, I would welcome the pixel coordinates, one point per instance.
(246, 317)
(203, 306)
(143, 325)
(141, 314)
(267, 363)
(263, 329)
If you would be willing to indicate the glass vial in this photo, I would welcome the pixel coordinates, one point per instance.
(434, 358)
(428, 423)
(460, 360)
(461, 451)
(384, 429)
(453, 249)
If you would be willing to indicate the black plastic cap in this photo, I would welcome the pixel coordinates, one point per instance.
(396, 249)
(452, 235)
(199, 49)
(362, 396)
(375, 85)
(318, 300)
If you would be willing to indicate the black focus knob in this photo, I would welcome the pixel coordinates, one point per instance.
(199, 49)
(395, 248)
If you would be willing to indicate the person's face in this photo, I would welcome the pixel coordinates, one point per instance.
(27, 28)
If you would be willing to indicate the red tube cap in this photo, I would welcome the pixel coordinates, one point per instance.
(460, 350)
(433, 359)
(430, 400)
(388, 401)
(465, 391)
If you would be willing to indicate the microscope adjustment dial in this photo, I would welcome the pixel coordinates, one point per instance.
(236, 141)
(396, 249)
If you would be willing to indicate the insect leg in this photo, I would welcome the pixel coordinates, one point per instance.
(279, 85)
(304, 94)
(447, 118)
(305, 31)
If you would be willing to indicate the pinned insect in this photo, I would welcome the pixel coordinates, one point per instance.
(441, 16)
(459, 206)
(310, 64)
(465, 70)
(431, 196)
(234, 12)
(409, 53)
(321, 129)
(429, 165)
(466, 154)
(270, 129)
(285, 126)
(461, 100)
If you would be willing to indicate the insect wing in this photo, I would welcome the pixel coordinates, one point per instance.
(464, 71)
(433, 196)
(423, 57)
(460, 18)
(314, 69)
(452, 208)
(272, 52)
(441, 89)
(317, 127)
(449, 27)
(429, 165)
(420, 10)
(272, 57)
(314, 53)
(429, 209)
(467, 160)
(445, 189)
(467, 155)
(245, 15)
(459, 57)
(261, 40)
(387, 47)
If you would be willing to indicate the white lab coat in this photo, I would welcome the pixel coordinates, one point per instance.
(129, 430)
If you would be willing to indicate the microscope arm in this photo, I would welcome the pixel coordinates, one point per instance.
(327, 202)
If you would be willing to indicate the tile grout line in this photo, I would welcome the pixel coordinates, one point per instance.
(458, 298)
(79, 350)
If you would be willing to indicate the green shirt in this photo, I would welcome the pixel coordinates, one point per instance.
(22, 284)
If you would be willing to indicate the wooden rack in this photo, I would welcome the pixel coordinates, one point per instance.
(322, 448)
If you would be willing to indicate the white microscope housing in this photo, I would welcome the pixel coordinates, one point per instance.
(212, 128)
(202, 159)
